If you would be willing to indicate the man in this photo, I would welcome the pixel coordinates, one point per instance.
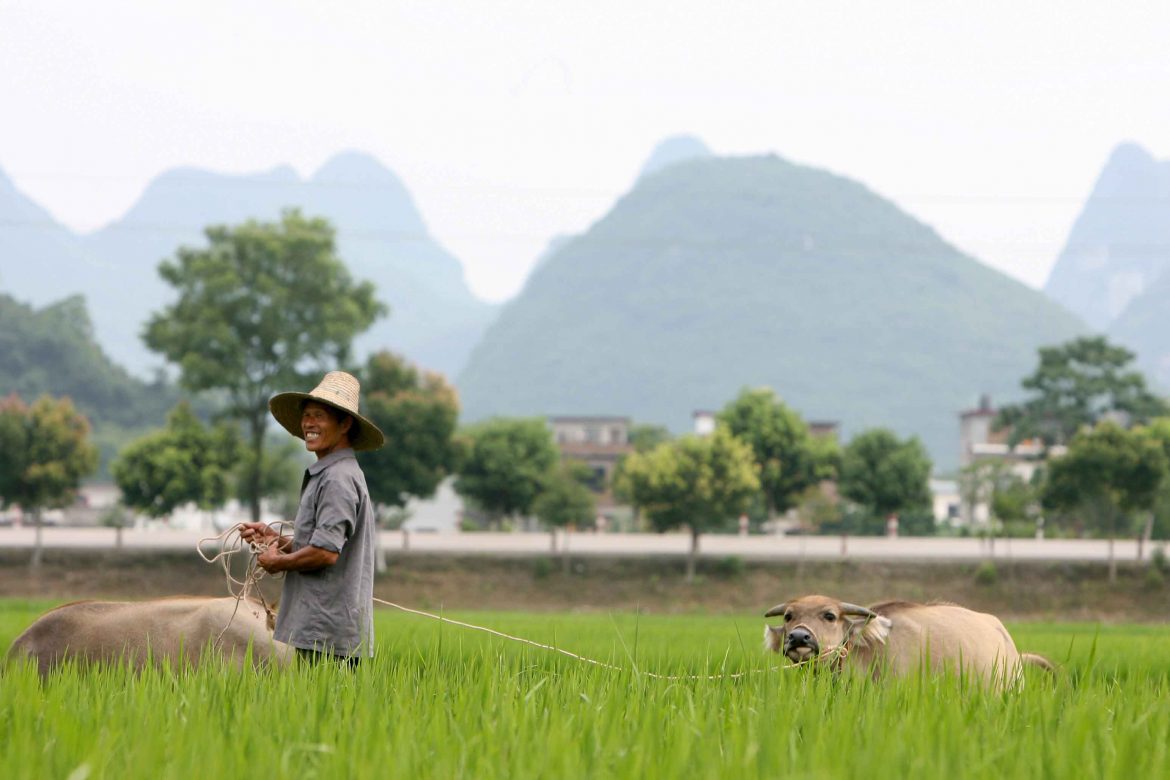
(326, 608)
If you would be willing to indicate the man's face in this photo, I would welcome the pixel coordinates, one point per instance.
(323, 434)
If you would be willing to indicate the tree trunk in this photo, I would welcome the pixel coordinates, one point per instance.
(118, 537)
(844, 545)
(257, 477)
(552, 540)
(1112, 563)
(38, 543)
(380, 560)
(1146, 534)
(693, 557)
(565, 562)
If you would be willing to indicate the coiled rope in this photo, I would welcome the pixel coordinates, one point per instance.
(231, 543)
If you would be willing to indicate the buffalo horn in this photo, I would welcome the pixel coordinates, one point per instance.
(853, 609)
(776, 610)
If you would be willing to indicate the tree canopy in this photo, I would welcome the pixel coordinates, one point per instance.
(1107, 473)
(703, 483)
(185, 462)
(418, 412)
(789, 459)
(505, 463)
(45, 452)
(1076, 384)
(265, 307)
(885, 474)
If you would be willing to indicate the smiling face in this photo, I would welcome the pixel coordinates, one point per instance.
(325, 429)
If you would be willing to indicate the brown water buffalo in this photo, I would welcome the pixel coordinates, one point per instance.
(898, 637)
(162, 631)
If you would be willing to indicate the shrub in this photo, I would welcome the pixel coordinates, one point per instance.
(541, 568)
(730, 566)
(1158, 559)
(986, 574)
(1154, 579)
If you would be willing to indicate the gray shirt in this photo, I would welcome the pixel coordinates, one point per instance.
(332, 609)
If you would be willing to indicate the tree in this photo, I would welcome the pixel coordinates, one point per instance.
(1076, 385)
(884, 474)
(505, 463)
(1107, 474)
(702, 483)
(263, 308)
(184, 463)
(789, 458)
(565, 501)
(645, 437)
(45, 452)
(418, 412)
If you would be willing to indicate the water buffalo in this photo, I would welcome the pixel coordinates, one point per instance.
(898, 637)
(161, 631)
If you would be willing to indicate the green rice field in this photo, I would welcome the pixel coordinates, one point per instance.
(440, 701)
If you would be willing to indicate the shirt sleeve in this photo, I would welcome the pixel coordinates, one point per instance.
(337, 504)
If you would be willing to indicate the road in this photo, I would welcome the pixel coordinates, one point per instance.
(617, 545)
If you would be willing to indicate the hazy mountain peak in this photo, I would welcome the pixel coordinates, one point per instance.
(354, 167)
(676, 148)
(1115, 249)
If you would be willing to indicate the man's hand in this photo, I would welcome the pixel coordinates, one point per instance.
(258, 533)
(269, 560)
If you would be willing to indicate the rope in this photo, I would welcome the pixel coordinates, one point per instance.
(232, 543)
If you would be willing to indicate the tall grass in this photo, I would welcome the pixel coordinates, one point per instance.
(438, 701)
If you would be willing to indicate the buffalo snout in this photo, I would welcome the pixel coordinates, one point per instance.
(799, 644)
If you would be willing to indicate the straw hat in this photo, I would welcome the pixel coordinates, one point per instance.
(339, 390)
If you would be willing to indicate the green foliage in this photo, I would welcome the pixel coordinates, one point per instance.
(1107, 473)
(541, 568)
(185, 462)
(645, 437)
(986, 574)
(789, 459)
(564, 500)
(885, 474)
(730, 566)
(265, 307)
(418, 412)
(1076, 385)
(52, 351)
(700, 482)
(1159, 560)
(45, 452)
(282, 468)
(505, 463)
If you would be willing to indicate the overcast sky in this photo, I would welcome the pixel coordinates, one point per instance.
(514, 122)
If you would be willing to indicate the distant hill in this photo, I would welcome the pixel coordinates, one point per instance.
(434, 319)
(714, 274)
(51, 350)
(675, 149)
(1120, 243)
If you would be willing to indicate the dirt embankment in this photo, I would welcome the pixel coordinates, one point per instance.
(1047, 591)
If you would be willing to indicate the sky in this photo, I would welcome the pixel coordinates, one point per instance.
(512, 123)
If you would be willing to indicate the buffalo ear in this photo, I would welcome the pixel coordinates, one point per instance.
(773, 637)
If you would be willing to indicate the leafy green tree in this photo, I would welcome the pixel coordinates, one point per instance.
(885, 474)
(265, 307)
(703, 483)
(645, 437)
(45, 452)
(1076, 385)
(418, 412)
(566, 500)
(789, 459)
(1107, 474)
(185, 462)
(505, 463)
